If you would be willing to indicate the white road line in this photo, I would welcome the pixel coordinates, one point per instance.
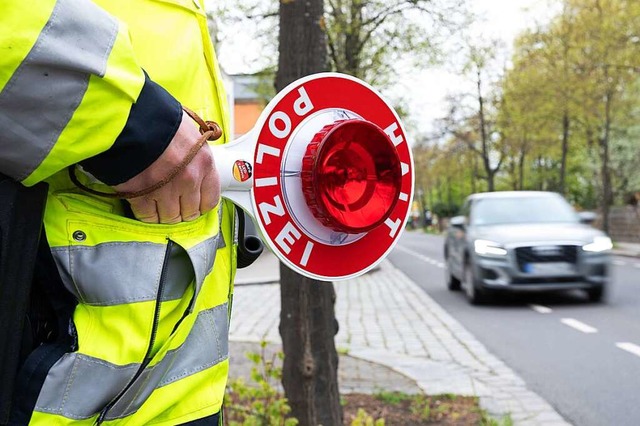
(629, 347)
(420, 256)
(580, 326)
(541, 309)
(637, 265)
(413, 253)
(619, 262)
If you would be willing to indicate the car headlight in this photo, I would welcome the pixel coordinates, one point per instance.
(599, 244)
(484, 247)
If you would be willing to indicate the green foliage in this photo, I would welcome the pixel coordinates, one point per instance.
(342, 351)
(258, 403)
(421, 406)
(445, 210)
(394, 398)
(563, 117)
(364, 419)
(434, 409)
(486, 420)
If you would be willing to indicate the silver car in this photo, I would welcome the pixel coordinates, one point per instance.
(524, 241)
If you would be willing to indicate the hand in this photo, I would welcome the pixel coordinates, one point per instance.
(194, 191)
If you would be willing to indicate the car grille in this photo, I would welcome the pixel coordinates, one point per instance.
(547, 280)
(542, 254)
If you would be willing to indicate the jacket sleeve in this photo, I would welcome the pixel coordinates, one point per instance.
(71, 91)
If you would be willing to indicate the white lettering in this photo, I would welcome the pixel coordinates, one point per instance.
(393, 225)
(403, 196)
(289, 234)
(266, 149)
(262, 182)
(302, 105)
(391, 132)
(306, 254)
(273, 124)
(405, 168)
(266, 208)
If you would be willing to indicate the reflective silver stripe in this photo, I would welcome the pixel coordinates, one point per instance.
(203, 256)
(118, 273)
(78, 386)
(45, 90)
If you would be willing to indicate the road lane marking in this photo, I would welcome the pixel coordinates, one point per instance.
(629, 347)
(637, 265)
(541, 309)
(420, 256)
(580, 326)
(619, 262)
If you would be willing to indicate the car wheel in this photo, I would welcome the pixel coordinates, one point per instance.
(595, 294)
(475, 295)
(453, 283)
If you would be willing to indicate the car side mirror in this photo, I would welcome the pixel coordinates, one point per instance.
(458, 222)
(587, 217)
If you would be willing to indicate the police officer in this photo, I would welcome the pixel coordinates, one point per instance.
(91, 102)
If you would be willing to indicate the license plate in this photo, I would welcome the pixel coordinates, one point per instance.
(551, 268)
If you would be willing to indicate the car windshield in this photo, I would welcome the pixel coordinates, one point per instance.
(545, 209)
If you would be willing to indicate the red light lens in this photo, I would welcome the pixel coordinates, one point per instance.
(351, 176)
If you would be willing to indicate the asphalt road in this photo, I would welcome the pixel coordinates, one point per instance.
(583, 358)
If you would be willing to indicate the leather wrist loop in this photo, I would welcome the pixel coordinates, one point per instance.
(210, 131)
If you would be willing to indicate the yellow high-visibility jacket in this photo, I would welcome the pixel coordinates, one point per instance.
(100, 84)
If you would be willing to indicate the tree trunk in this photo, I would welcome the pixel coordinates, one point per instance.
(307, 318)
(449, 196)
(521, 164)
(512, 174)
(607, 192)
(353, 56)
(486, 161)
(540, 174)
(308, 327)
(565, 151)
(474, 174)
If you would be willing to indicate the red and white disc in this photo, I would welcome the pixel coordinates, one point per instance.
(287, 223)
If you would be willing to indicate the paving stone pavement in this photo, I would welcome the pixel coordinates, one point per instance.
(395, 337)
(354, 374)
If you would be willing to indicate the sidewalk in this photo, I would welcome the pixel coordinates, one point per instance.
(392, 336)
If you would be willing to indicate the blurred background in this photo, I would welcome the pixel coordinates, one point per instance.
(495, 95)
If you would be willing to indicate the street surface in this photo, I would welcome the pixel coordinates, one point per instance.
(583, 358)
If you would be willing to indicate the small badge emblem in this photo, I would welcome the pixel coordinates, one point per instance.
(242, 170)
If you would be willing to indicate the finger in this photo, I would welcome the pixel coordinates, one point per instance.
(209, 192)
(169, 209)
(145, 209)
(190, 205)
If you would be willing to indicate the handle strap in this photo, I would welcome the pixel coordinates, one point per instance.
(210, 131)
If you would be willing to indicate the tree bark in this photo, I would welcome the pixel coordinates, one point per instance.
(486, 161)
(521, 164)
(607, 192)
(308, 327)
(474, 174)
(565, 151)
(307, 318)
